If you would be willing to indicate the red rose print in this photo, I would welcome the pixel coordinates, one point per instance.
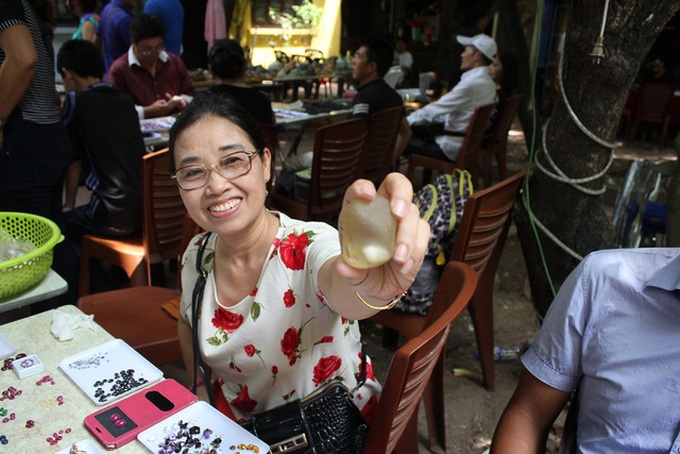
(289, 298)
(325, 368)
(290, 343)
(275, 370)
(243, 401)
(254, 292)
(292, 250)
(226, 320)
(326, 339)
(250, 350)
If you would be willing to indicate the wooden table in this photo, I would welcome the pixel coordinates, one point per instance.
(39, 402)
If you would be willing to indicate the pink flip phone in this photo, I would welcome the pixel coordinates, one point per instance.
(119, 423)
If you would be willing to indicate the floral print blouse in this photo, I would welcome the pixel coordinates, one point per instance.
(282, 341)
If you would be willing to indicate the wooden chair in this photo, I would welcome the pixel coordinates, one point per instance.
(162, 215)
(479, 243)
(136, 315)
(468, 155)
(417, 367)
(338, 153)
(498, 141)
(381, 142)
(655, 97)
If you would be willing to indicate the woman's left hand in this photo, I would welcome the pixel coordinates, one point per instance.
(383, 283)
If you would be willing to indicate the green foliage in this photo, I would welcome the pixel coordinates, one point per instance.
(306, 15)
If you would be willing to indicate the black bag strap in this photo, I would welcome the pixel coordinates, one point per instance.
(197, 299)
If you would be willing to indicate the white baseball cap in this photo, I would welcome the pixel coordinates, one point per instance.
(483, 43)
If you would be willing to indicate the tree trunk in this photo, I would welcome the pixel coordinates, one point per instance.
(597, 94)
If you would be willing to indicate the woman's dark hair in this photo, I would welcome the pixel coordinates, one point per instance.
(510, 71)
(209, 105)
(227, 59)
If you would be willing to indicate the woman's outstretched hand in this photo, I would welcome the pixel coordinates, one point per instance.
(381, 284)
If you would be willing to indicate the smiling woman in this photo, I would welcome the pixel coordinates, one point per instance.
(282, 279)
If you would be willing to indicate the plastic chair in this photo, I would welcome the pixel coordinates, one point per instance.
(468, 155)
(381, 142)
(479, 243)
(418, 366)
(394, 76)
(498, 141)
(162, 215)
(655, 98)
(338, 154)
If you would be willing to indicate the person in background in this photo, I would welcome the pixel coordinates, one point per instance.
(370, 63)
(104, 130)
(658, 72)
(35, 149)
(477, 22)
(611, 334)
(455, 109)
(113, 33)
(156, 80)
(504, 71)
(86, 10)
(403, 57)
(171, 12)
(278, 313)
(228, 66)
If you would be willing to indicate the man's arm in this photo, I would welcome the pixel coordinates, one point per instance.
(528, 417)
(448, 103)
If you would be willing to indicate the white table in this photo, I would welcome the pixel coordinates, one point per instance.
(52, 285)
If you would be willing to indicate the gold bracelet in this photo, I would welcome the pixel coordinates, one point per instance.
(388, 306)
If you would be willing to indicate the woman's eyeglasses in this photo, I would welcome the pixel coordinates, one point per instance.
(228, 167)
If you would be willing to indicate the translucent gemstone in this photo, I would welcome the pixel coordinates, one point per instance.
(368, 231)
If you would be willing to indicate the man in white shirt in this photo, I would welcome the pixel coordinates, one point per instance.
(455, 109)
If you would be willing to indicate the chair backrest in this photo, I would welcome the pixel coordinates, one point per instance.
(381, 142)
(484, 226)
(654, 100)
(413, 363)
(163, 209)
(272, 136)
(338, 153)
(468, 155)
(500, 128)
(394, 76)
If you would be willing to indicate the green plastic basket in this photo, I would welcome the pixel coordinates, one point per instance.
(21, 273)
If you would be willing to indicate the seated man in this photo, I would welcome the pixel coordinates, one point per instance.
(156, 80)
(371, 62)
(453, 111)
(106, 136)
(612, 333)
(369, 66)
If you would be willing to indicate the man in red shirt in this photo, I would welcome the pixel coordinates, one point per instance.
(156, 80)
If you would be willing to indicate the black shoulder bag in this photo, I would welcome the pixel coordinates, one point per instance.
(197, 299)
